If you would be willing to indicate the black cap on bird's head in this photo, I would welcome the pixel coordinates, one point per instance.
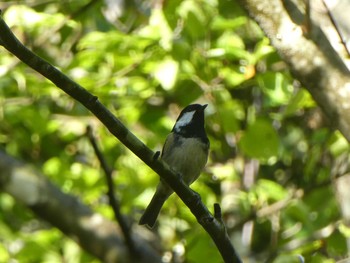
(190, 122)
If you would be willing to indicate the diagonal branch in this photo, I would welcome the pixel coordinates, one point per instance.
(309, 55)
(213, 227)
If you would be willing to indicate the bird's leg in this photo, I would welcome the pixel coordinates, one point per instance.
(156, 155)
(179, 176)
(196, 198)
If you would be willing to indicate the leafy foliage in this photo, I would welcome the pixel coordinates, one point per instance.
(272, 153)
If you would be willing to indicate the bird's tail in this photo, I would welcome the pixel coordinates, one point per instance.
(150, 215)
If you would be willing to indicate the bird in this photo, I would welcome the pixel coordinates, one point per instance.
(186, 151)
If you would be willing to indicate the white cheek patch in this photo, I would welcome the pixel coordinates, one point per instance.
(184, 120)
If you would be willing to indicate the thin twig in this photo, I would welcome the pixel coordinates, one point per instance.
(308, 24)
(334, 23)
(113, 202)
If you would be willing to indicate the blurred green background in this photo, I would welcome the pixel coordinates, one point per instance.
(272, 154)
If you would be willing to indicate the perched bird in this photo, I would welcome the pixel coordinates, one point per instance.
(186, 151)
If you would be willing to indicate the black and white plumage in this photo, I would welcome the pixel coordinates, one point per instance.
(186, 151)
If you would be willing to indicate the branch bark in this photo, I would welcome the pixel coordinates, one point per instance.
(309, 55)
(214, 227)
(91, 231)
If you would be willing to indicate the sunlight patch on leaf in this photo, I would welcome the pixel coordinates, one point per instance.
(158, 29)
(267, 190)
(27, 17)
(231, 77)
(166, 73)
(338, 144)
(222, 24)
(52, 166)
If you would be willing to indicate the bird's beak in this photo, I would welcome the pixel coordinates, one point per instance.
(204, 106)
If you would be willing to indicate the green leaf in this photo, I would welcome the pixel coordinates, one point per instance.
(301, 100)
(201, 248)
(268, 190)
(4, 254)
(337, 244)
(194, 18)
(288, 259)
(277, 87)
(263, 49)
(158, 29)
(260, 140)
(231, 77)
(223, 24)
(30, 19)
(319, 258)
(338, 144)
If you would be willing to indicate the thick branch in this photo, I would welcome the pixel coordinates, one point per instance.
(91, 231)
(215, 229)
(311, 58)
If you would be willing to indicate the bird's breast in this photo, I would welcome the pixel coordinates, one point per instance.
(186, 156)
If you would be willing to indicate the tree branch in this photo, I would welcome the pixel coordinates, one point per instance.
(91, 231)
(309, 55)
(125, 227)
(337, 29)
(116, 127)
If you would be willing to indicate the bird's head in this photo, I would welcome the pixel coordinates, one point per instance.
(190, 122)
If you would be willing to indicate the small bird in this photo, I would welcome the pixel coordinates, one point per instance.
(186, 151)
